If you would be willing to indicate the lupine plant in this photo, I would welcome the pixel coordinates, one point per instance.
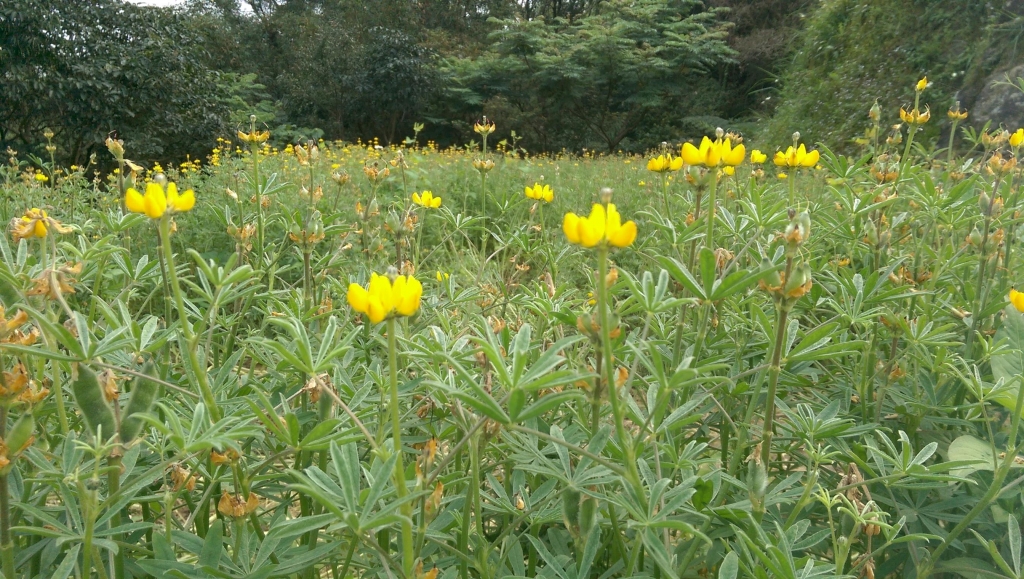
(297, 361)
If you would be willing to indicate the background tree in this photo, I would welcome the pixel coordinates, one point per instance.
(85, 69)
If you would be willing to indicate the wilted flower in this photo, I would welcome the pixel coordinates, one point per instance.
(955, 113)
(35, 223)
(915, 116)
(483, 165)
(484, 127)
(254, 136)
(231, 505)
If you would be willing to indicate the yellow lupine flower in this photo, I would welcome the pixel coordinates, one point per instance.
(796, 157)
(602, 226)
(757, 157)
(922, 84)
(426, 199)
(915, 117)
(157, 201)
(713, 153)
(540, 192)
(385, 299)
(1017, 138)
(41, 177)
(1017, 299)
(662, 163)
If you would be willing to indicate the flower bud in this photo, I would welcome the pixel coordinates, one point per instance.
(606, 195)
(984, 203)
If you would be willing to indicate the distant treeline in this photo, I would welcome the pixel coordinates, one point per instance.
(562, 74)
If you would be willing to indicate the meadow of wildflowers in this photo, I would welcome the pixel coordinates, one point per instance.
(326, 359)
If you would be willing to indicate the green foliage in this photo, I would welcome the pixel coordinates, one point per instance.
(852, 53)
(595, 80)
(86, 69)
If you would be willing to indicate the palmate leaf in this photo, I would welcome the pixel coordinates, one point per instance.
(1008, 362)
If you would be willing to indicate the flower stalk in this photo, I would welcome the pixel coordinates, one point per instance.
(408, 557)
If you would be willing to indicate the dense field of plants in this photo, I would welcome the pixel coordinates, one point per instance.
(724, 359)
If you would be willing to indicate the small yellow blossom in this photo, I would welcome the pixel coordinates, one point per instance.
(41, 177)
(603, 226)
(157, 201)
(1017, 138)
(540, 192)
(796, 157)
(385, 298)
(757, 157)
(922, 84)
(426, 199)
(1017, 299)
(662, 163)
(713, 153)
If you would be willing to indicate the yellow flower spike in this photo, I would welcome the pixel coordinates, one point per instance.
(757, 157)
(540, 193)
(427, 199)
(157, 201)
(602, 226)
(1017, 299)
(732, 156)
(1017, 138)
(796, 157)
(385, 299)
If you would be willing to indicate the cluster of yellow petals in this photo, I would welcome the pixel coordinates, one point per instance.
(540, 192)
(662, 163)
(157, 201)
(603, 226)
(384, 299)
(714, 153)
(915, 116)
(1017, 299)
(796, 157)
(757, 157)
(426, 199)
(1017, 138)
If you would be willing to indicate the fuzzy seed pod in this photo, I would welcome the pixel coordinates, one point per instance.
(144, 393)
(89, 397)
(20, 436)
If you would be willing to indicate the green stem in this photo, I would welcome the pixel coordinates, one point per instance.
(113, 487)
(709, 239)
(186, 328)
(396, 436)
(6, 543)
(774, 369)
(633, 475)
(483, 213)
(664, 193)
